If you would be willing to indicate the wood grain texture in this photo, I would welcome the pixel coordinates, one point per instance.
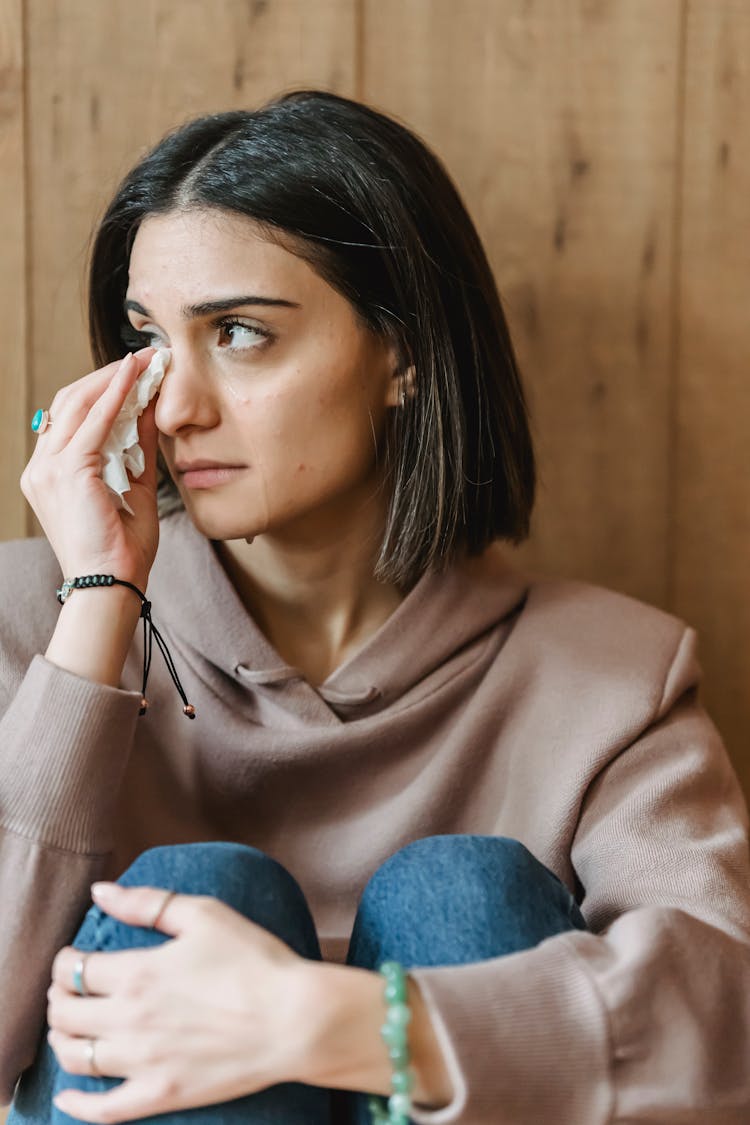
(14, 421)
(558, 123)
(599, 148)
(711, 568)
(106, 81)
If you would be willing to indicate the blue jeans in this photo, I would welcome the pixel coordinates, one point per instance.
(440, 900)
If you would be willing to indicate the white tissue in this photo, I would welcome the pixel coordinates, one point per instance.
(121, 451)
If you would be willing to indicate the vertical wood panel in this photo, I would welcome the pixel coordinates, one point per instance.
(558, 123)
(712, 499)
(13, 417)
(106, 81)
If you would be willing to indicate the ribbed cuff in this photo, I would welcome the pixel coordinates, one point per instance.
(64, 746)
(525, 1038)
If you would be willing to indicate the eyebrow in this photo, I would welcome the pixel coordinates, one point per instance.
(223, 304)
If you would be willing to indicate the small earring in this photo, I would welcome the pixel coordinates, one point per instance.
(402, 398)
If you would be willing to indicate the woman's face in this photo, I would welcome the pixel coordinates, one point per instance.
(282, 381)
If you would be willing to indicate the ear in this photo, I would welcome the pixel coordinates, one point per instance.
(402, 383)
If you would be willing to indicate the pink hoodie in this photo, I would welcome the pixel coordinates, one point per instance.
(490, 702)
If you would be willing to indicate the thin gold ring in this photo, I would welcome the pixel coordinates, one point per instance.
(162, 908)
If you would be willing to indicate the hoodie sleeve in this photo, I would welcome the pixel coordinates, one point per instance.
(64, 746)
(647, 1017)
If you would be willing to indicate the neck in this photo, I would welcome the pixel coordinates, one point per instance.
(312, 592)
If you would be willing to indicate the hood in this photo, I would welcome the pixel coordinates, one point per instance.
(438, 619)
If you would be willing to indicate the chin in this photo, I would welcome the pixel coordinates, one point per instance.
(217, 521)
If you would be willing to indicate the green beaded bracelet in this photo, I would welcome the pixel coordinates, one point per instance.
(396, 1109)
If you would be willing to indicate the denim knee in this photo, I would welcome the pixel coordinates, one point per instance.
(252, 883)
(451, 899)
(241, 876)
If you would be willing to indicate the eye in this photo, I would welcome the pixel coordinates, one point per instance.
(244, 336)
(133, 339)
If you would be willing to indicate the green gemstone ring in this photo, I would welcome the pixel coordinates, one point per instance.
(41, 421)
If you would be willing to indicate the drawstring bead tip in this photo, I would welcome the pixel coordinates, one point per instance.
(150, 632)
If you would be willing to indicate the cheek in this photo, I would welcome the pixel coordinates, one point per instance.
(321, 432)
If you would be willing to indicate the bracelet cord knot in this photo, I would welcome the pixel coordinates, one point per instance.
(150, 632)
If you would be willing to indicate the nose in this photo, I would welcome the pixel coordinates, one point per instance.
(186, 396)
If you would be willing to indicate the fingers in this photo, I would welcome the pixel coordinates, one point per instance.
(129, 1101)
(94, 429)
(139, 906)
(74, 407)
(72, 404)
(76, 1015)
(108, 972)
(105, 973)
(74, 1053)
(148, 906)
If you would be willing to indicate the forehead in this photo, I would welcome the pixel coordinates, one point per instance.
(180, 251)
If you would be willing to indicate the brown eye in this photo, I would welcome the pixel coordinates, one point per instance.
(242, 336)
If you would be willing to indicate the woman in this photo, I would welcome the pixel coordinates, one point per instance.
(403, 749)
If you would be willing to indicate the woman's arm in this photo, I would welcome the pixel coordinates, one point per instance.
(94, 633)
(345, 1007)
(63, 745)
(66, 728)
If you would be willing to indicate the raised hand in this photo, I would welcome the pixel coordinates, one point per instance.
(63, 483)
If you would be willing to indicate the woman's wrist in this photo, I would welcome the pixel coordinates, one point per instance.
(94, 632)
(344, 1011)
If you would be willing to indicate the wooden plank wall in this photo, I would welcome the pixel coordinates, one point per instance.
(14, 277)
(599, 147)
(710, 509)
(561, 132)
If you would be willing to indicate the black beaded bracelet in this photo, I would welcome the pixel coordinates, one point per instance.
(71, 584)
(150, 632)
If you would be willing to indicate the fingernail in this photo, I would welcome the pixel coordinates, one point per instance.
(103, 890)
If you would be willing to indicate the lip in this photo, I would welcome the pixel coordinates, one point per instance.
(208, 478)
(189, 466)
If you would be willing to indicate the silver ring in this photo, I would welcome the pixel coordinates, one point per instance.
(162, 908)
(79, 982)
(90, 1050)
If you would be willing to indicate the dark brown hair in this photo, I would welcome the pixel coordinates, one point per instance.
(372, 209)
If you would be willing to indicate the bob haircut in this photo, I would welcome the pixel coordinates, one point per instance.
(364, 202)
